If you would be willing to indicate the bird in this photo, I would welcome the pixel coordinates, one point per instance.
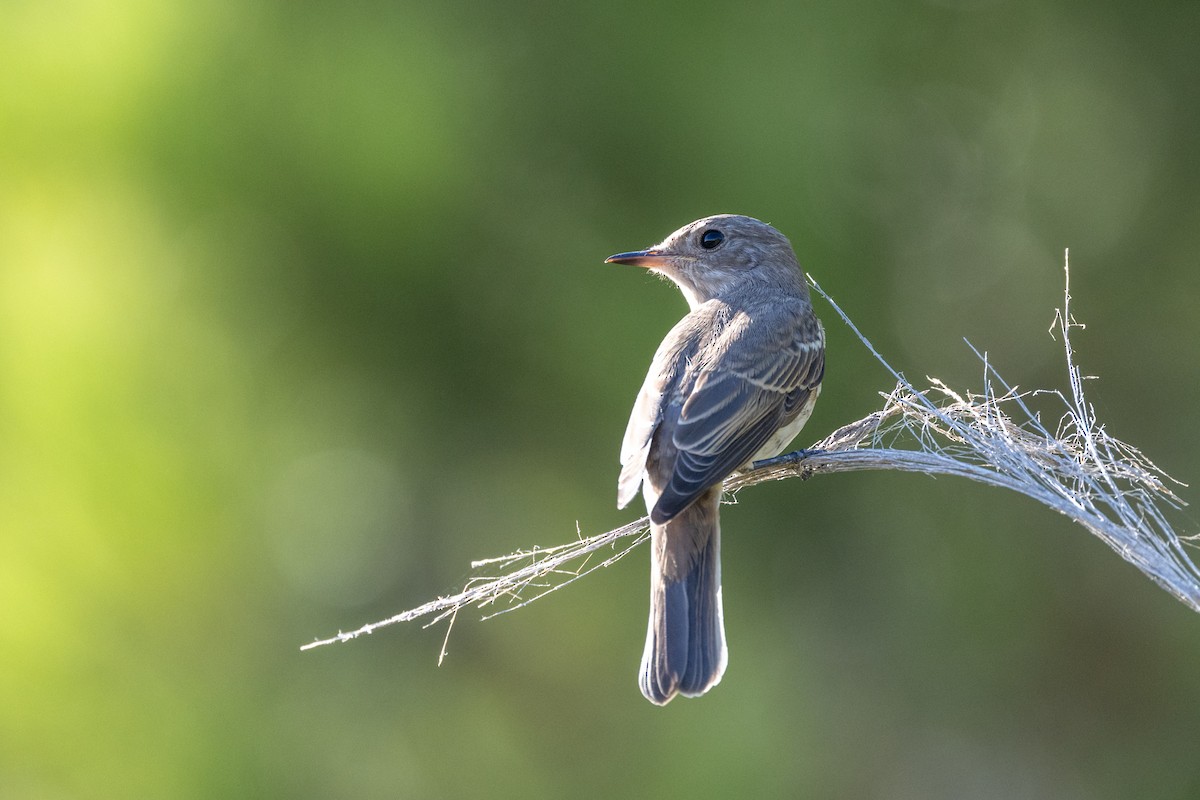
(733, 382)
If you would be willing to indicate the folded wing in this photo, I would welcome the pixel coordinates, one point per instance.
(759, 385)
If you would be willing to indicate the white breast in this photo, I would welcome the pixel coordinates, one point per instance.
(783, 437)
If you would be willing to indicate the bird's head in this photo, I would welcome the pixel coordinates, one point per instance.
(712, 256)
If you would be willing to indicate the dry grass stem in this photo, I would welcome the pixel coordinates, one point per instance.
(992, 436)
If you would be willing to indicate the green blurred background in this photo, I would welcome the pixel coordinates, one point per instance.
(302, 308)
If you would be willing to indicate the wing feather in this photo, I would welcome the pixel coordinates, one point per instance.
(719, 388)
(754, 388)
(670, 366)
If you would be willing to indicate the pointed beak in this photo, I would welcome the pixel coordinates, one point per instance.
(639, 258)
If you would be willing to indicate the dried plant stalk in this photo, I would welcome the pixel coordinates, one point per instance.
(992, 437)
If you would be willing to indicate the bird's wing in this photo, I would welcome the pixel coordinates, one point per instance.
(757, 382)
(666, 370)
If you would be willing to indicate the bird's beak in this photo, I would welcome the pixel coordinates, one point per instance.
(640, 258)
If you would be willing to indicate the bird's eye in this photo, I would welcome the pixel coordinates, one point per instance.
(711, 239)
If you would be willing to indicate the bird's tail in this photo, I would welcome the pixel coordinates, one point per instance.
(685, 643)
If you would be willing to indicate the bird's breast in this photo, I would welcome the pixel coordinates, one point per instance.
(783, 437)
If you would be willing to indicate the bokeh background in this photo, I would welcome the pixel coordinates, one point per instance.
(302, 308)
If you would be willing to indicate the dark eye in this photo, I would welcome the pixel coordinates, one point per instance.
(711, 239)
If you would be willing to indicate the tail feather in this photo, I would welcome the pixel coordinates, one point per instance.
(685, 640)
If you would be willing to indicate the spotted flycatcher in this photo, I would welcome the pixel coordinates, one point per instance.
(732, 383)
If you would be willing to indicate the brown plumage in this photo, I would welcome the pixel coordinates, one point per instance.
(733, 382)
